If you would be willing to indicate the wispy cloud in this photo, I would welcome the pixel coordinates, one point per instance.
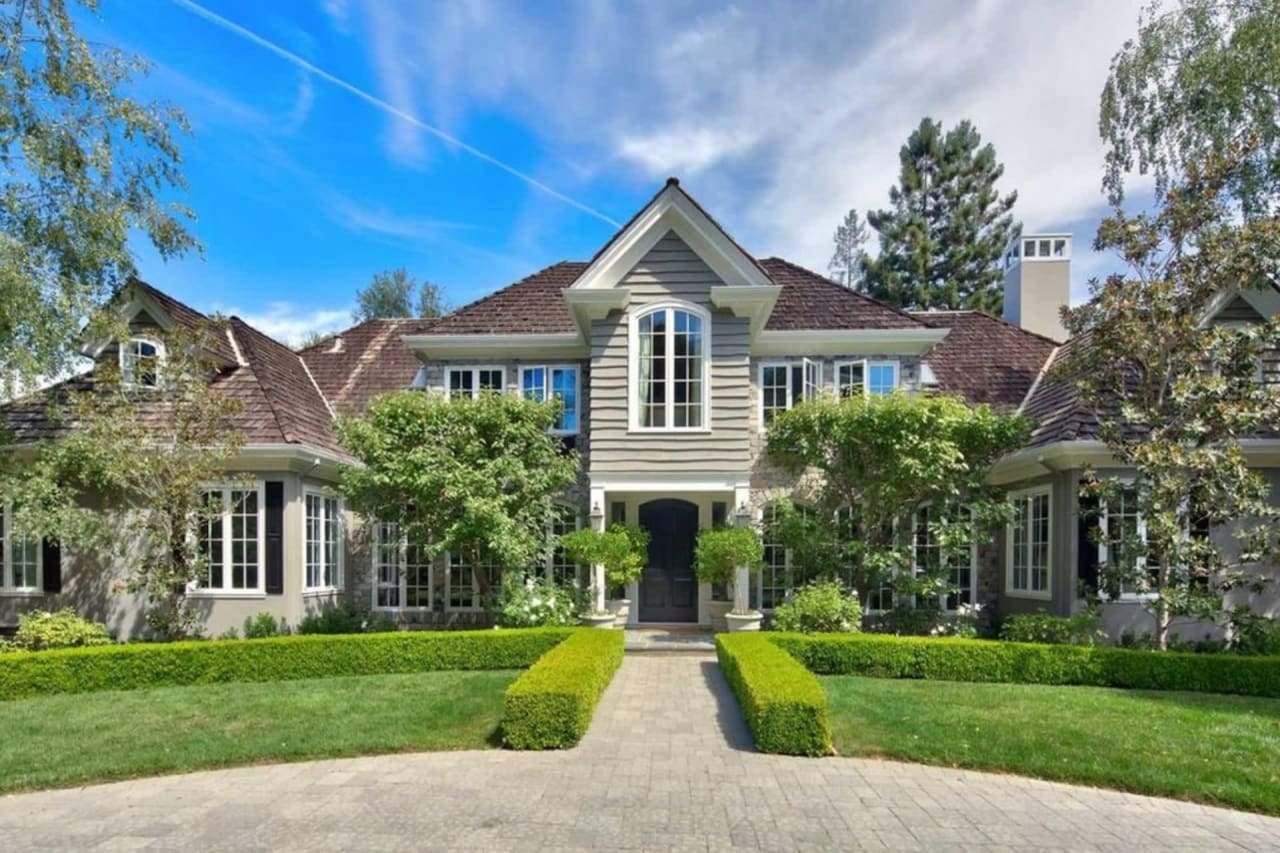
(303, 101)
(355, 216)
(291, 323)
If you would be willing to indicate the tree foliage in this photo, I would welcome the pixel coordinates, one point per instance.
(1176, 394)
(145, 454)
(83, 168)
(877, 460)
(473, 477)
(947, 226)
(849, 256)
(1199, 79)
(391, 294)
(623, 550)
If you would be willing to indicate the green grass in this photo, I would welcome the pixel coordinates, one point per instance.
(55, 741)
(1216, 749)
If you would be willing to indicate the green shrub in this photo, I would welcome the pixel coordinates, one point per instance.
(345, 619)
(820, 607)
(950, 659)
(135, 666)
(232, 633)
(722, 550)
(550, 706)
(784, 705)
(262, 626)
(1253, 633)
(623, 550)
(63, 629)
(1080, 629)
(537, 602)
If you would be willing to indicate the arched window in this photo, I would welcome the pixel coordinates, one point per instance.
(670, 379)
(140, 360)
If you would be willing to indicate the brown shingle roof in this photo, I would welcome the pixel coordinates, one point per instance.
(812, 301)
(1055, 404)
(983, 358)
(184, 315)
(531, 305)
(354, 366)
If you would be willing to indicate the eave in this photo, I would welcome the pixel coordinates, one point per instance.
(589, 305)
(754, 302)
(847, 341)
(530, 345)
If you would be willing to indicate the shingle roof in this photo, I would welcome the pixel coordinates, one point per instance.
(810, 300)
(184, 315)
(1055, 404)
(354, 366)
(984, 358)
(533, 304)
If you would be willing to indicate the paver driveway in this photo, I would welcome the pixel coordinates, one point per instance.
(667, 765)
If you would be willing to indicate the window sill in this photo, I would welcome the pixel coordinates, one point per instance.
(228, 593)
(21, 593)
(377, 609)
(1031, 596)
(672, 431)
(319, 592)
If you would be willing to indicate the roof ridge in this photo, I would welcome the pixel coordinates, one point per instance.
(837, 285)
(368, 356)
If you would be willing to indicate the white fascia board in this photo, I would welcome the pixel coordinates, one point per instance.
(847, 341)
(1062, 455)
(1264, 300)
(589, 305)
(675, 483)
(753, 301)
(297, 458)
(541, 345)
(138, 302)
(672, 210)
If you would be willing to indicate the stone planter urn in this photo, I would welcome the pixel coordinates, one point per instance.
(598, 620)
(744, 621)
(620, 608)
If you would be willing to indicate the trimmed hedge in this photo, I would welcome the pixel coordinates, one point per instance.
(550, 706)
(131, 667)
(784, 705)
(886, 656)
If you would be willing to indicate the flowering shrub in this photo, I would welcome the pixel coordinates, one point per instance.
(1081, 629)
(820, 607)
(535, 602)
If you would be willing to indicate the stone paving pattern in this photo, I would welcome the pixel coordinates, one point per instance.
(667, 765)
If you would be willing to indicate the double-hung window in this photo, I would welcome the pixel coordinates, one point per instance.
(471, 381)
(671, 368)
(774, 578)
(230, 539)
(323, 545)
(559, 383)
(559, 568)
(859, 378)
(401, 571)
(20, 558)
(140, 360)
(785, 384)
(929, 556)
(1028, 545)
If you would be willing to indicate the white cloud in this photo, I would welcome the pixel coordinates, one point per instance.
(290, 323)
(303, 101)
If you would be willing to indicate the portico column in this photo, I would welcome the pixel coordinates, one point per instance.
(742, 575)
(597, 569)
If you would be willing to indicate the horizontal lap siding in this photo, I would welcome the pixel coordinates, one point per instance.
(671, 270)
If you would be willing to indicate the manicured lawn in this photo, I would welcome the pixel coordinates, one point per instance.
(66, 740)
(1215, 749)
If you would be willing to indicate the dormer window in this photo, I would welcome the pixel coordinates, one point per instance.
(140, 360)
(670, 364)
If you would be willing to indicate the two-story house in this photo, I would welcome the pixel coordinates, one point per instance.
(671, 351)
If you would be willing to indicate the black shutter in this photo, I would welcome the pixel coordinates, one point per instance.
(275, 538)
(52, 559)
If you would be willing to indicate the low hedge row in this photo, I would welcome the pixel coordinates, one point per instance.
(784, 705)
(550, 706)
(886, 656)
(130, 667)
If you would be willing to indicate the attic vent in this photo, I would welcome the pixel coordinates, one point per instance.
(337, 344)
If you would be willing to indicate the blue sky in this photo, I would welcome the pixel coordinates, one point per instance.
(305, 182)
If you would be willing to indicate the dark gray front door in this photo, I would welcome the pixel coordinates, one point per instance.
(668, 589)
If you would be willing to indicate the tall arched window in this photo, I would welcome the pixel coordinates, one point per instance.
(671, 349)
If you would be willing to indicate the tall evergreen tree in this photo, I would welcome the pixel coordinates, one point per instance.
(942, 238)
(390, 294)
(846, 261)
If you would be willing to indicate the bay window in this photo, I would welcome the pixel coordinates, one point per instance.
(20, 558)
(671, 375)
(471, 381)
(323, 541)
(556, 382)
(230, 539)
(1028, 545)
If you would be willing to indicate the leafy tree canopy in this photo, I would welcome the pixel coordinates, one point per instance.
(1200, 78)
(83, 168)
(476, 477)
(391, 294)
(1175, 394)
(947, 226)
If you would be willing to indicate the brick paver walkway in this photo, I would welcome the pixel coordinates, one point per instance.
(666, 765)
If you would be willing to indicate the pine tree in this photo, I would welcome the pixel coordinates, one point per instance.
(847, 259)
(942, 238)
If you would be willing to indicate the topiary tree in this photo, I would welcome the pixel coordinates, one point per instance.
(476, 478)
(879, 460)
(621, 550)
(722, 553)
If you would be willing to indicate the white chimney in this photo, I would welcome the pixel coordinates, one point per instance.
(1037, 282)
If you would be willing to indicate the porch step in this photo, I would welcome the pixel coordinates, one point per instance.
(700, 641)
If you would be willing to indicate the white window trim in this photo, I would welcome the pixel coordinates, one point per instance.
(477, 603)
(402, 576)
(125, 351)
(809, 390)
(547, 392)
(1104, 546)
(548, 563)
(197, 590)
(474, 370)
(867, 364)
(324, 495)
(758, 579)
(633, 367)
(7, 589)
(973, 562)
(1009, 590)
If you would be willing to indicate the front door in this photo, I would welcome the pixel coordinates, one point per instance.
(668, 588)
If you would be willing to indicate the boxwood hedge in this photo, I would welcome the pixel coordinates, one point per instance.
(784, 705)
(888, 656)
(550, 706)
(140, 665)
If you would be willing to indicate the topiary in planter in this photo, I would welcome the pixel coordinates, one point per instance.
(722, 551)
